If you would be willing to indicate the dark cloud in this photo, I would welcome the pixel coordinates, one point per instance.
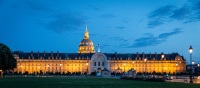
(151, 40)
(120, 27)
(162, 11)
(181, 13)
(66, 22)
(160, 15)
(108, 16)
(189, 12)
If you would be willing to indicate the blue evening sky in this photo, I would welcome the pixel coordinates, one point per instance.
(123, 26)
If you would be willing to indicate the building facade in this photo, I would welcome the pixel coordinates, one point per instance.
(86, 60)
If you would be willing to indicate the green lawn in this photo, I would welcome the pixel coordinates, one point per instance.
(86, 83)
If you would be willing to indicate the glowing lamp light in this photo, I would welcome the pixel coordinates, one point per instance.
(133, 62)
(190, 49)
(124, 63)
(163, 56)
(86, 63)
(193, 62)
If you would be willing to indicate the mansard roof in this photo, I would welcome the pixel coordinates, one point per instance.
(81, 56)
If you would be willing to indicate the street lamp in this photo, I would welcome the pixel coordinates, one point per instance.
(145, 65)
(190, 50)
(176, 69)
(198, 64)
(124, 66)
(21, 69)
(87, 67)
(162, 56)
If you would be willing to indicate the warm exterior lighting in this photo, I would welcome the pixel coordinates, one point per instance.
(21, 66)
(133, 62)
(145, 59)
(60, 64)
(47, 65)
(191, 72)
(124, 66)
(190, 49)
(165, 68)
(192, 62)
(176, 64)
(198, 64)
(163, 56)
(39, 67)
(87, 64)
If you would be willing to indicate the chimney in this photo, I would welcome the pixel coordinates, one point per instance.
(38, 54)
(31, 53)
(57, 53)
(44, 53)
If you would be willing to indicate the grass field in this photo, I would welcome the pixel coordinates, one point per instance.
(56, 82)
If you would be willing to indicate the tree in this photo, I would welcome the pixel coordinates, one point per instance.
(7, 60)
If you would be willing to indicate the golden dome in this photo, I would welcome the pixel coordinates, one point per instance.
(86, 45)
(86, 42)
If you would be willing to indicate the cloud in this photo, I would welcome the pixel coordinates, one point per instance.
(107, 16)
(66, 22)
(151, 40)
(189, 12)
(120, 27)
(181, 13)
(160, 15)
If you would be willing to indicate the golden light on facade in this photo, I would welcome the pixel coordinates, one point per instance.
(124, 64)
(87, 64)
(145, 59)
(133, 62)
(60, 64)
(39, 67)
(176, 64)
(21, 66)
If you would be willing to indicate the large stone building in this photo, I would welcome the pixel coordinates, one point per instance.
(86, 60)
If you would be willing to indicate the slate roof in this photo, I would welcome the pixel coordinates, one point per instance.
(120, 56)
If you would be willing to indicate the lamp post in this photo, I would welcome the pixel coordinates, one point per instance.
(162, 56)
(87, 67)
(133, 64)
(176, 69)
(21, 69)
(39, 69)
(124, 66)
(145, 65)
(190, 50)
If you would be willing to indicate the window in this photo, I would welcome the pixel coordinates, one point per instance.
(94, 63)
(102, 63)
(98, 63)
